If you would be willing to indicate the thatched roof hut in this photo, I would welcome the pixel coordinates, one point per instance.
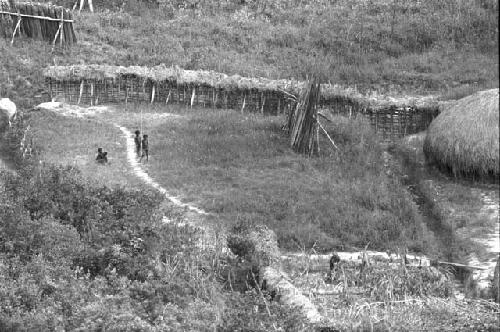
(463, 139)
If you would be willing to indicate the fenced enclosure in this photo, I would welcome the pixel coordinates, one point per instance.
(136, 90)
(390, 122)
(40, 21)
(92, 85)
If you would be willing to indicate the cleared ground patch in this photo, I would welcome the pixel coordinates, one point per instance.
(73, 141)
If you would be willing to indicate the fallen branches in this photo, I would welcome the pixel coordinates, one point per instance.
(328, 136)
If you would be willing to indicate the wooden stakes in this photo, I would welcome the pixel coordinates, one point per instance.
(168, 96)
(153, 92)
(82, 4)
(192, 97)
(244, 103)
(81, 92)
(42, 22)
(16, 29)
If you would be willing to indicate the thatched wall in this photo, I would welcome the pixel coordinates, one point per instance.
(37, 21)
(464, 138)
(95, 84)
(135, 89)
(391, 122)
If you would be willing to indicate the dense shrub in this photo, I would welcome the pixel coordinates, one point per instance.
(80, 258)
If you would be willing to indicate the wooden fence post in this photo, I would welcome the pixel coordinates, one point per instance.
(81, 92)
(92, 93)
(18, 25)
(192, 96)
(61, 34)
(153, 92)
(244, 103)
(263, 100)
(168, 96)
(91, 6)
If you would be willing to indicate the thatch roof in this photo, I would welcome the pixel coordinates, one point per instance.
(163, 73)
(463, 139)
(219, 80)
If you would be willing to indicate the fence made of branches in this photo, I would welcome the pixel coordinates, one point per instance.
(40, 21)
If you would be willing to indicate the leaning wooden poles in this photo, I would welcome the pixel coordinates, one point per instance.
(302, 121)
(38, 21)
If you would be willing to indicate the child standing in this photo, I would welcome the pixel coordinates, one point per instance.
(145, 148)
(137, 141)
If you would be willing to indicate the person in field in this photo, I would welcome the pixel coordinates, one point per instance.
(145, 148)
(137, 141)
(99, 154)
(105, 157)
(102, 157)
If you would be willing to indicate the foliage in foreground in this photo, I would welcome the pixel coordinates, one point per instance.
(83, 258)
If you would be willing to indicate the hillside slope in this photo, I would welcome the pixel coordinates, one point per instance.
(447, 47)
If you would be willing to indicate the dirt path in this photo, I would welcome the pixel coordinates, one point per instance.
(474, 217)
(490, 241)
(140, 173)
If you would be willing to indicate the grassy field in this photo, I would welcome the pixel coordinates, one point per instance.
(239, 166)
(71, 141)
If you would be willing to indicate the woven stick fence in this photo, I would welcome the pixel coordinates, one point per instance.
(38, 21)
(391, 122)
(110, 84)
(94, 84)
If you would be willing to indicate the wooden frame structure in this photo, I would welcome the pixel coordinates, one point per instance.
(40, 21)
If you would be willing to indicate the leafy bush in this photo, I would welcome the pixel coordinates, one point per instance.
(78, 257)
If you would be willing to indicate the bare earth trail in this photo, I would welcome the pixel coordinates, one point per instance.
(490, 241)
(140, 173)
(482, 223)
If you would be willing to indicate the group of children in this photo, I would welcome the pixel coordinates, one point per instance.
(140, 146)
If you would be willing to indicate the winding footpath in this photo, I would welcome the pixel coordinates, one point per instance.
(289, 294)
(139, 172)
(490, 242)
